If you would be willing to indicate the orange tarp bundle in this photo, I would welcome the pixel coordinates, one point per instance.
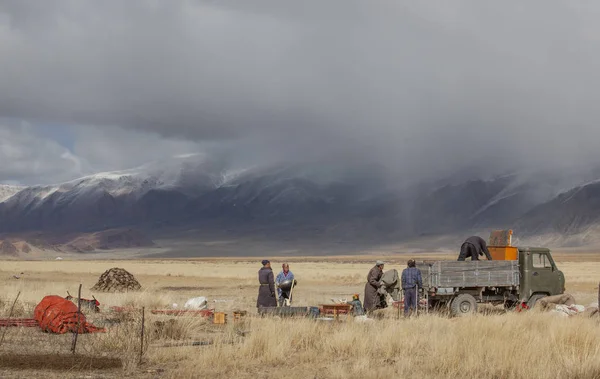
(56, 314)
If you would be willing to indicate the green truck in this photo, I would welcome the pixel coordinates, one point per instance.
(461, 285)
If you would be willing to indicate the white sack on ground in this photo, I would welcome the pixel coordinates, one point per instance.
(197, 303)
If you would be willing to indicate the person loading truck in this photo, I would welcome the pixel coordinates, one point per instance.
(473, 247)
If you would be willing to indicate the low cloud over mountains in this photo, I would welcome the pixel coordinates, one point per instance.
(299, 201)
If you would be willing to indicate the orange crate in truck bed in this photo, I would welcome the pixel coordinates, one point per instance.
(503, 253)
(500, 246)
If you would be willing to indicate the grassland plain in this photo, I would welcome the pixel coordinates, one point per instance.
(492, 344)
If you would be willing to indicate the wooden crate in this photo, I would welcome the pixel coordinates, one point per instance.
(220, 318)
(239, 315)
(336, 309)
(504, 253)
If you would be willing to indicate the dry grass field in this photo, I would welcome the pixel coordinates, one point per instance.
(492, 344)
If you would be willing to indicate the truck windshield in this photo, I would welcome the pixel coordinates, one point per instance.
(540, 260)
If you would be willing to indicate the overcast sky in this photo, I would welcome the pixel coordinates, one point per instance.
(425, 87)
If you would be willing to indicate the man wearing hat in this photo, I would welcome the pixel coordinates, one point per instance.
(372, 297)
(266, 290)
(411, 280)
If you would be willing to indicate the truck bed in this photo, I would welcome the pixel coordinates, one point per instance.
(445, 274)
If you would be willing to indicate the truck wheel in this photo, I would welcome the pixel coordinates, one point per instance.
(463, 305)
(534, 299)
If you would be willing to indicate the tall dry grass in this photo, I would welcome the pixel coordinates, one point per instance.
(529, 345)
(490, 345)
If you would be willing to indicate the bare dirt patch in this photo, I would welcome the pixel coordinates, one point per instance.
(57, 362)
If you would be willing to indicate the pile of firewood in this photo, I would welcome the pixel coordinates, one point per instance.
(117, 280)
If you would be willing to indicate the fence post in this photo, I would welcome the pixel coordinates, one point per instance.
(142, 334)
(78, 321)
(9, 317)
(417, 300)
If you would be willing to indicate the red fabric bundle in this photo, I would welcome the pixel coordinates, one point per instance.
(56, 314)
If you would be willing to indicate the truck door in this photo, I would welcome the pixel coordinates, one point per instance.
(543, 278)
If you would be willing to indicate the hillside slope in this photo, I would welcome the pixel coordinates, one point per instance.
(343, 202)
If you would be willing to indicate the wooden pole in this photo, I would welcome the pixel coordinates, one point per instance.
(417, 300)
(427, 291)
(78, 321)
(399, 305)
(9, 317)
(598, 298)
(142, 334)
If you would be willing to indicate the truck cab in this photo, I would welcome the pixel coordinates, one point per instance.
(539, 276)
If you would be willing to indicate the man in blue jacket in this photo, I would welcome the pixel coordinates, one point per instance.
(411, 279)
(283, 276)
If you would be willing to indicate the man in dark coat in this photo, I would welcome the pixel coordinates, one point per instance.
(474, 247)
(266, 290)
(372, 297)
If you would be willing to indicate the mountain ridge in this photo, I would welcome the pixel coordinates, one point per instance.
(7, 191)
(358, 202)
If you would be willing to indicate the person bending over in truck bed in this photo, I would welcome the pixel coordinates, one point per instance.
(474, 247)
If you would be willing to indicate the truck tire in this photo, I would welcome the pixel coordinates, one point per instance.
(534, 299)
(463, 305)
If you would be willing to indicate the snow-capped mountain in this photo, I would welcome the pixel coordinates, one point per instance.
(6, 191)
(194, 190)
(112, 198)
(357, 201)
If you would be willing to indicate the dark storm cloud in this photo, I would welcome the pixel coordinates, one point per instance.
(424, 86)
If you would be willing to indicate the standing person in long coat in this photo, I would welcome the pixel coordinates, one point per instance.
(372, 298)
(266, 290)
